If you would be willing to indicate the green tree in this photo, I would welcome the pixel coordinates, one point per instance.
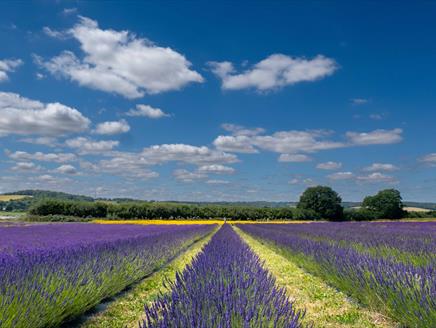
(387, 204)
(324, 201)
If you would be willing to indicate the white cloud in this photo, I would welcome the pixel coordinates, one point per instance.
(128, 165)
(377, 167)
(19, 115)
(54, 34)
(26, 166)
(341, 176)
(376, 117)
(121, 63)
(187, 176)
(45, 141)
(7, 66)
(49, 179)
(42, 157)
(429, 159)
(66, 169)
(294, 181)
(294, 158)
(329, 165)
(376, 177)
(88, 146)
(359, 101)
(238, 130)
(68, 11)
(216, 168)
(376, 137)
(185, 153)
(110, 128)
(217, 182)
(147, 111)
(236, 144)
(276, 71)
(289, 142)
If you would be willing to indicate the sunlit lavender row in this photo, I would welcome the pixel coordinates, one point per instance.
(225, 286)
(386, 279)
(53, 272)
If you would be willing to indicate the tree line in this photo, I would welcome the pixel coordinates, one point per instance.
(315, 203)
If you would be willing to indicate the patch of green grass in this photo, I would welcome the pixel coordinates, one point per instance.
(11, 214)
(128, 309)
(325, 306)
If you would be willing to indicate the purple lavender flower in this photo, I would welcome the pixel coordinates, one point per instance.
(52, 272)
(225, 286)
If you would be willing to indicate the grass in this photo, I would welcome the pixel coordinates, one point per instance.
(6, 198)
(11, 214)
(326, 307)
(128, 309)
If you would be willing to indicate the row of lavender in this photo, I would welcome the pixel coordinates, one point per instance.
(51, 273)
(385, 278)
(225, 286)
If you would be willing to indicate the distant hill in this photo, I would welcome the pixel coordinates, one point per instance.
(37, 194)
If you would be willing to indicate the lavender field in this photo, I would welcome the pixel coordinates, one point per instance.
(50, 273)
(386, 266)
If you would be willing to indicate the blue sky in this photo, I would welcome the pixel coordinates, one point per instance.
(235, 102)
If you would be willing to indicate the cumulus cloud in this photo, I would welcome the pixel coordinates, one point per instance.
(7, 66)
(359, 101)
(276, 71)
(217, 169)
(110, 128)
(329, 165)
(294, 158)
(147, 111)
(284, 142)
(89, 146)
(291, 144)
(66, 169)
(186, 153)
(45, 141)
(20, 115)
(377, 177)
(187, 176)
(54, 34)
(236, 144)
(41, 157)
(429, 159)
(341, 176)
(129, 165)
(239, 130)
(26, 166)
(121, 63)
(377, 167)
(69, 11)
(49, 179)
(376, 137)
(217, 182)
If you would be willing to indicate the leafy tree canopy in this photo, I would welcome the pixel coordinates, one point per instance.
(324, 201)
(387, 204)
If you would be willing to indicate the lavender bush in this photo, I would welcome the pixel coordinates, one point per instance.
(53, 272)
(225, 286)
(385, 278)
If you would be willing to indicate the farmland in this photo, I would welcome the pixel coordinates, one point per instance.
(6, 198)
(371, 274)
